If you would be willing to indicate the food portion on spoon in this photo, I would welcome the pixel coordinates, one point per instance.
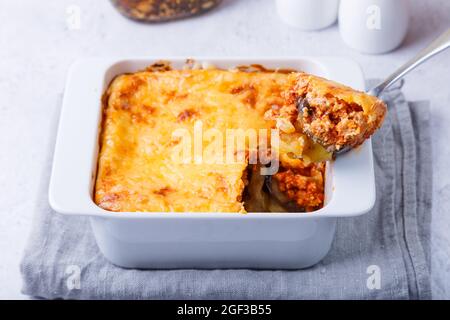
(335, 117)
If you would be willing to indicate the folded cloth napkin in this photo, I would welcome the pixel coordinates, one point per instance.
(384, 254)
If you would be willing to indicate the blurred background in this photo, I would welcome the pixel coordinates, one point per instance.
(40, 39)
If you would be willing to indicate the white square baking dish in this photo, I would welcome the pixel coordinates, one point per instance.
(200, 240)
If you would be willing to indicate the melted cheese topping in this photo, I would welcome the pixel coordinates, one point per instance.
(143, 111)
(136, 172)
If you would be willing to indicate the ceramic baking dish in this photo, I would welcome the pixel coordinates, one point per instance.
(201, 240)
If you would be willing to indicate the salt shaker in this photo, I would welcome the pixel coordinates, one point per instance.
(308, 14)
(373, 26)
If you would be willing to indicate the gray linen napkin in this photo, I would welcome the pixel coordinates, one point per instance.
(390, 244)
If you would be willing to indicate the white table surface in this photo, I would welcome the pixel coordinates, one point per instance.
(37, 47)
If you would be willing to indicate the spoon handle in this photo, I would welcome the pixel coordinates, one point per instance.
(439, 45)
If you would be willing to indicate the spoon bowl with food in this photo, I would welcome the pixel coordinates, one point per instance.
(338, 118)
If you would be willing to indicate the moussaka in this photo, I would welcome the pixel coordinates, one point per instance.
(166, 135)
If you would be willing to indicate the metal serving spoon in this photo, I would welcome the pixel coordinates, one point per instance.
(440, 44)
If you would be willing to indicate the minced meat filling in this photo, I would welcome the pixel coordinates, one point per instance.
(330, 121)
(292, 189)
(304, 186)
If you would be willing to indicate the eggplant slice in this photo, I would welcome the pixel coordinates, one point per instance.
(263, 194)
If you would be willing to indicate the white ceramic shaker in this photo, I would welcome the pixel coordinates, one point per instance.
(308, 14)
(373, 26)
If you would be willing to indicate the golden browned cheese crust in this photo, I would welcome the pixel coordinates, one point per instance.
(136, 172)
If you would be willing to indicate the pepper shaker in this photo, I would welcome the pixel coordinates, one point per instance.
(308, 14)
(373, 26)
